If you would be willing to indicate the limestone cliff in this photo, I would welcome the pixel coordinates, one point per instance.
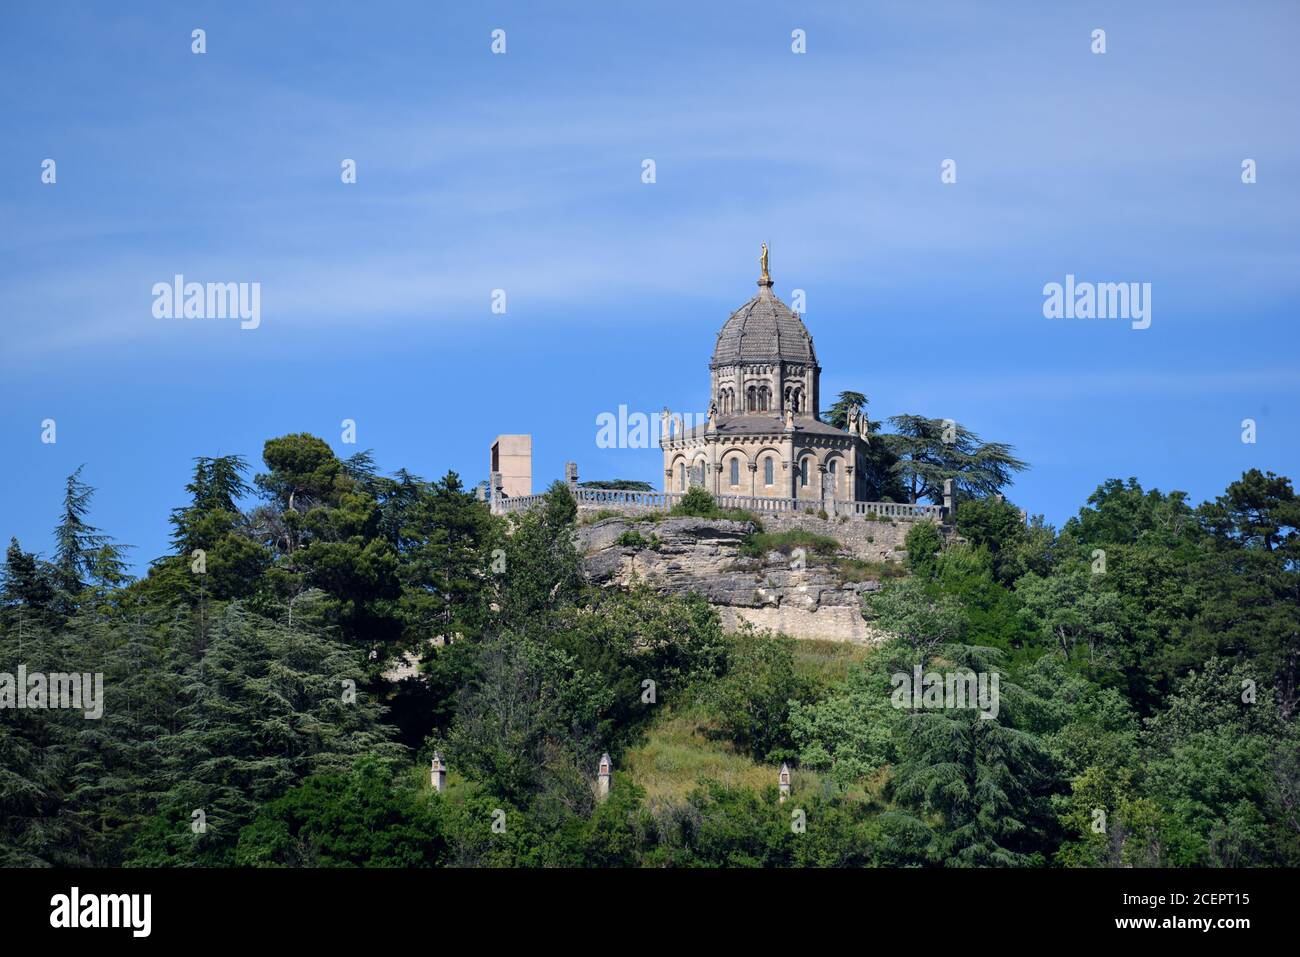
(804, 599)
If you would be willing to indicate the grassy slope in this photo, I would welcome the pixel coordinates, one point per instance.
(681, 750)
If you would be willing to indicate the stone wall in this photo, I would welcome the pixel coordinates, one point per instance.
(873, 540)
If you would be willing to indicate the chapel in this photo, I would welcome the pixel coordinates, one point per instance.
(764, 437)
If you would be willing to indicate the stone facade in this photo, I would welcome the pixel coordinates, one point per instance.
(764, 436)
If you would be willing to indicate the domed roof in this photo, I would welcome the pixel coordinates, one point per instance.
(763, 330)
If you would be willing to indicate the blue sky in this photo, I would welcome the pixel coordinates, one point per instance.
(523, 172)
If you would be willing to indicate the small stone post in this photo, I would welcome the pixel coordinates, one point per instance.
(604, 774)
(783, 782)
(437, 772)
(950, 501)
(496, 491)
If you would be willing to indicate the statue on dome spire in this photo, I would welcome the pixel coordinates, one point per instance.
(762, 263)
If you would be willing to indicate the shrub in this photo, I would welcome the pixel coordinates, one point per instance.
(860, 570)
(634, 539)
(760, 543)
(697, 502)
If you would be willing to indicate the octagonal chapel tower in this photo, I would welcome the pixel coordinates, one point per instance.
(764, 436)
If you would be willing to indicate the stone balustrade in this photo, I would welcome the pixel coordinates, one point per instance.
(621, 499)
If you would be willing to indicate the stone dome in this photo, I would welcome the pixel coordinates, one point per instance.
(763, 330)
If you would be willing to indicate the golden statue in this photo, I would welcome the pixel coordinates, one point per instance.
(762, 262)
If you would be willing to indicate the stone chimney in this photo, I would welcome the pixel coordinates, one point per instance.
(783, 781)
(604, 773)
(437, 772)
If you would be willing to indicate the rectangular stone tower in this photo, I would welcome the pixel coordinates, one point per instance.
(512, 457)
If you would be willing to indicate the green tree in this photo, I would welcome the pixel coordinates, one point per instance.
(754, 698)
(361, 818)
(26, 583)
(83, 556)
(445, 563)
(931, 451)
(847, 403)
(923, 542)
(984, 777)
(261, 707)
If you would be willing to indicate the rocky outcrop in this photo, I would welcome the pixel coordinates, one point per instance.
(681, 555)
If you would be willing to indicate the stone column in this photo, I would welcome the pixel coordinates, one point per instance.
(604, 773)
(437, 773)
(753, 480)
(712, 466)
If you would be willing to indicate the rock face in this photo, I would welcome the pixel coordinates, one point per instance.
(680, 555)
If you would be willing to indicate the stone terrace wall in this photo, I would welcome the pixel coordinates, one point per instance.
(871, 540)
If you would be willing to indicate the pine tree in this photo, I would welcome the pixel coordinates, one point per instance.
(83, 556)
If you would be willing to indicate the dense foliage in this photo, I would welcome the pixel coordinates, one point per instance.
(273, 690)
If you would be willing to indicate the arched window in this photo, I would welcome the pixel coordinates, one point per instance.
(834, 469)
(803, 473)
(796, 400)
(681, 477)
(768, 469)
(764, 398)
(751, 396)
(735, 471)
